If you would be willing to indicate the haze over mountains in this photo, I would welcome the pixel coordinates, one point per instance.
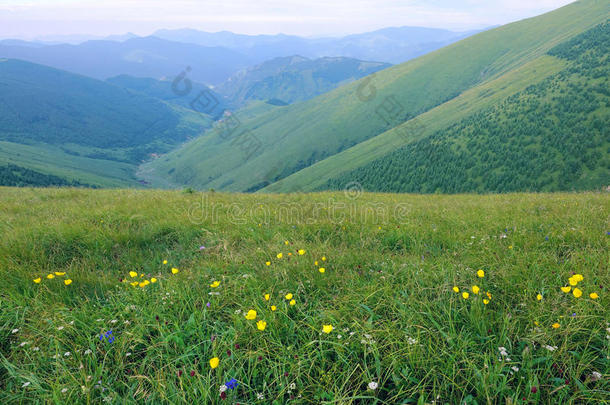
(519, 107)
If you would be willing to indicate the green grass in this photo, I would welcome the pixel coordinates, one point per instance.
(300, 135)
(387, 290)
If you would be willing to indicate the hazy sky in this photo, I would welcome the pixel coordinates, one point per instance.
(34, 18)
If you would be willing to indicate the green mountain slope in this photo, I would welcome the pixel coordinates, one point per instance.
(295, 78)
(301, 135)
(552, 136)
(82, 129)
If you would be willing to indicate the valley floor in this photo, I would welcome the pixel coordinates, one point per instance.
(131, 296)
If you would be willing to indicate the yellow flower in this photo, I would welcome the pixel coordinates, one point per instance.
(323, 258)
(465, 295)
(37, 280)
(327, 328)
(456, 289)
(153, 280)
(480, 273)
(289, 296)
(133, 273)
(135, 283)
(555, 325)
(539, 297)
(67, 281)
(488, 295)
(261, 325)
(485, 301)
(215, 284)
(510, 247)
(175, 270)
(164, 261)
(321, 269)
(289, 254)
(315, 263)
(251, 315)
(593, 296)
(142, 284)
(214, 362)
(475, 289)
(536, 323)
(267, 297)
(293, 302)
(566, 289)
(60, 273)
(273, 307)
(573, 281)
(379, 228)
(286, 242)
(50, 276)
(578, 277)
(279, 255)
(577, 292)
(301, 252)
(268, 263)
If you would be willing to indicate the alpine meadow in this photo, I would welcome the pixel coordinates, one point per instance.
(305, 203)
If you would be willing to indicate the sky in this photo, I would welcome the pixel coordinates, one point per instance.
(31, 19)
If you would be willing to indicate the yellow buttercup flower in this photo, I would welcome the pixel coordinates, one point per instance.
(577, 292)
(573, 281)
(480, 273)
(488, 295)
(593, 296)
(327, 328)
(555, 325)
(164, 261)
(578, 277)
(153, 280)
(323, 258)
(142, 284)
(292, 302)
(60, 273)
(267, 297)
(289, 296)
(321, 269)
(50, 276)
(268, 263)
(37, 280)
(132, 274)
(465, 295)
(67, 281)
(215, 284)
(214, 362)
(273, 307)
(475, 289)
(261, 325)
(175, 270)
(251, 315)
(279, 255)
(456, 289)
(566, 289)
(301, 252)
(135, 283)
(286, 242)
(315, 263)
(539, 297)
(485, 301)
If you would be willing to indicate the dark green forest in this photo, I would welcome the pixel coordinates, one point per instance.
(552, 136)
(16, 176)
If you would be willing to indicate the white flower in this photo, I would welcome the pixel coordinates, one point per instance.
(88, 351)
(15, 331)
(99, 320)
(223, 388)
(292, 386)
(23, 344)
(67, 354)
(260, 396)
(515, 368)
(237, 311)
(25, 384)
(64, 390)
(339, 336)
(411, 341)
(128, 354)
(113, 321)
(71, 322)
(550, 348)
(373, 385)
(36, 348)
(595, 376)
(126, 322)
(60, 328)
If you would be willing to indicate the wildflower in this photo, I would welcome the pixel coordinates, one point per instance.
(465, 295)
(578, 277)
(566, 289)
(292, 302)
(315, 263)
(153, 280)
(539, 297)
(36, 349)
(135, 283)
(456, 289)
(50, 276)
(37, 280)
(577, 292)
(142, 284)
(286, 243)
(480, 273)
(251, 315)
(261, 325)
(321, 269)
(573, 282)
(231, 384)
(25, 384)
(260, 396)
(60, 328)
(267, 297)
(534, 390)
(133, 274)
(208, 304)
(67, 354)
(515, 368)
(327, 328)
(593, 296)
(273, 307)
(373, 385)
(268, 263)
(214, 362)
(323, 258)
(164, 261)
(175, 270)
(64, 390)
(485, 301)
(510, 247)
(595, 376)
(215, 284)
(289, 296)
(550, 348)
(301, 252)
(88, 351)
(223, 388)
(475, 289)
(555, 325)
(67, 281)
(292, 386)
(488, 295)
(279, 255)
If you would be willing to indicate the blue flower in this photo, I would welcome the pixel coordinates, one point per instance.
(232, 384)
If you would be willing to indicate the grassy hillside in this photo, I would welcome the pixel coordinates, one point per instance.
(303, 134)
(295, 78)
(552, 136)
(390, 263)
(54, 121)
